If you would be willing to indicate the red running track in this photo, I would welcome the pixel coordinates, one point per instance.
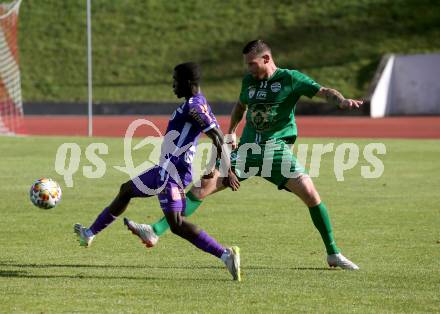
(316, 126)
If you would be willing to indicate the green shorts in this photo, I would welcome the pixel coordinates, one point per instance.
(272, 160)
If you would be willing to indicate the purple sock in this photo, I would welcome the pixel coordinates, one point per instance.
(102, 221)
(208, 244)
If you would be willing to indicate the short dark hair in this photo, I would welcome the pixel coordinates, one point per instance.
(257, 46)
(188, 71)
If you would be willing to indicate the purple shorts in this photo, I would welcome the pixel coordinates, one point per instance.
(151, 182)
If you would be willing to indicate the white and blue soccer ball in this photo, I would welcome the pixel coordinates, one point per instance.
(45, 193)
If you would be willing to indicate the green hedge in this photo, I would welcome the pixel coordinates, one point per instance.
(137, 43)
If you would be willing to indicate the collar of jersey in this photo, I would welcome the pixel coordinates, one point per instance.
(270, 77)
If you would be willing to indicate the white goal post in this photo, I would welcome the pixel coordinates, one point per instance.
(89, 68)
(11, 105)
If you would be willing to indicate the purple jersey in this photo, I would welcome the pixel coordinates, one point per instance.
(184, 128)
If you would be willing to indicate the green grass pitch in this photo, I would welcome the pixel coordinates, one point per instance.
(389, 226)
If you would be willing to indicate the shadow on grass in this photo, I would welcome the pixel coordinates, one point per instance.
(12, 273)
(288, 268)
(34, 265)
(4, 273)
(24, 274)
(27, 275)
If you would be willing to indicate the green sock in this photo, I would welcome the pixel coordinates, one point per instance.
(192, 203)
(321, 220)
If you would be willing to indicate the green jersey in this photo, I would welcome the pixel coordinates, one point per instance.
(271, 105)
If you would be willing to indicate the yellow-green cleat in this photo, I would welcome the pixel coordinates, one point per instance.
(85, 237)
(232, 262)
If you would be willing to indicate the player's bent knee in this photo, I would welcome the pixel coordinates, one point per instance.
(303, 186)
(126, 190)
(312, 197)
(175, 223)
(313, 201)
(177, 229)
(198, 192)
(207, 187)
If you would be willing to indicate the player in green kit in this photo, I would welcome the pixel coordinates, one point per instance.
(268, 98)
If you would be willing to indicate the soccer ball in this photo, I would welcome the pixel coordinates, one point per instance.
(45, 193)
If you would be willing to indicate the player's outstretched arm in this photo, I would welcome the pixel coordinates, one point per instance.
(335, 98)
(236, 116)
(216, 137)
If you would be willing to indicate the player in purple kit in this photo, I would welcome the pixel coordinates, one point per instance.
(173, 174)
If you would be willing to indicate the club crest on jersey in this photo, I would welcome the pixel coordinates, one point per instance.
(261, 116)
(275, 87)
(251, 91)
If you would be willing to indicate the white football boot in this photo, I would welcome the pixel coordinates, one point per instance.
(143, 231)
(339, 260)
(232, 262)
(85, 237)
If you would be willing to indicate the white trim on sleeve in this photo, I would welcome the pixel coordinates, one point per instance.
(211, 126)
